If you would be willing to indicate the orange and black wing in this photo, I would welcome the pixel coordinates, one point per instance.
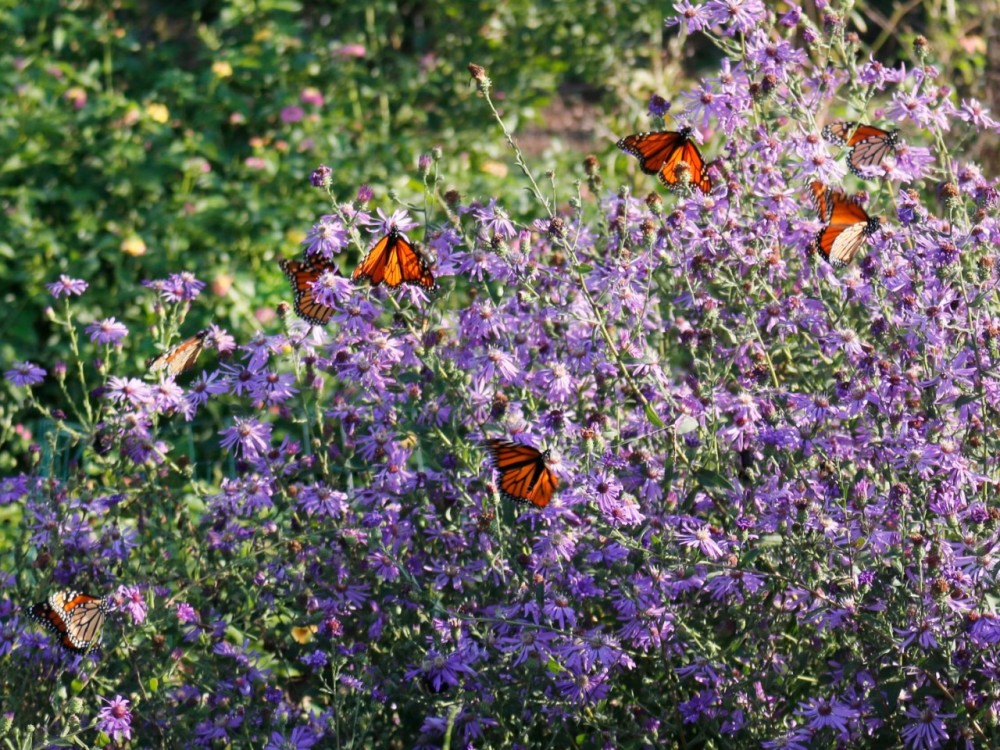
(659, 153)
(839, 132)
(76, 618)
(849, 228)
(523, 473)
(823, 197)
(394, 261)
(181, 357)
(869, 145)
(303, 275)
(870, 151)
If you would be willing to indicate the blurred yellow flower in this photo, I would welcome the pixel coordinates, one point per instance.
(495, 168)
(303, 633)
(294, 236)
(76, 96)
(221, 284)
(133, 245)
(157, 112)
(222, 69)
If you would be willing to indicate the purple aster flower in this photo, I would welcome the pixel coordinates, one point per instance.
(322, 501)
(823, 713)
(128, 390)
(442, 670)
(620, 510)
(272, 388)
(928, 730)
(129, 599)
(326, 238)
(740, 15)
(701, 539)
(301, 738)
(115, 719)
(657, 106)
(973, 111)
(320, 176)
(364, 195)
(107, 331)
(178, 287)
(398, 220)
(791, 17)
(694, 17)
(332, 289)
(315, 661)
(24, 373)
(584, 688)
(918, 108)
(494, 220)
(13, 489)
(206, 385)
(220, 340)
(67, 287)
(249, 437)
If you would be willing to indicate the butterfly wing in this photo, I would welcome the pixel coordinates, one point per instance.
(865, 132)
(653, 150)
(373, 267)
(412, 268)
(523, 473)
(77, 619)
(839, 132)
(689, 154)
(849, 227)
(823, 197)
(303, 275)
(86, 620)
(660, 152)
(869, 145)
(394, 261)
(870, 151)
(181, 357)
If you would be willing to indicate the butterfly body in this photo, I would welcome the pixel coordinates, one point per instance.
(303, 275)
(662, 151)
(869, 145)
(75, 617)
(524, 475)
(394, 261)
(181, 357)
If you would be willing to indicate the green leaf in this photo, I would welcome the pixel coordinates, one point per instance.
(712, 480)
(685, 424)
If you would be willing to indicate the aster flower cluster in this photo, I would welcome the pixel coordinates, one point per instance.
(773, 523)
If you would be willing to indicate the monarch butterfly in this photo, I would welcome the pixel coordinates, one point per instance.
(76, 618)
(659, 153)
(823, 196)
(394, 261)
(523, 473)
(869, 145)
(181, 357)
(303, 275)
(847, 229)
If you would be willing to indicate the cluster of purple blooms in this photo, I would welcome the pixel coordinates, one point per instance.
(774, 519)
